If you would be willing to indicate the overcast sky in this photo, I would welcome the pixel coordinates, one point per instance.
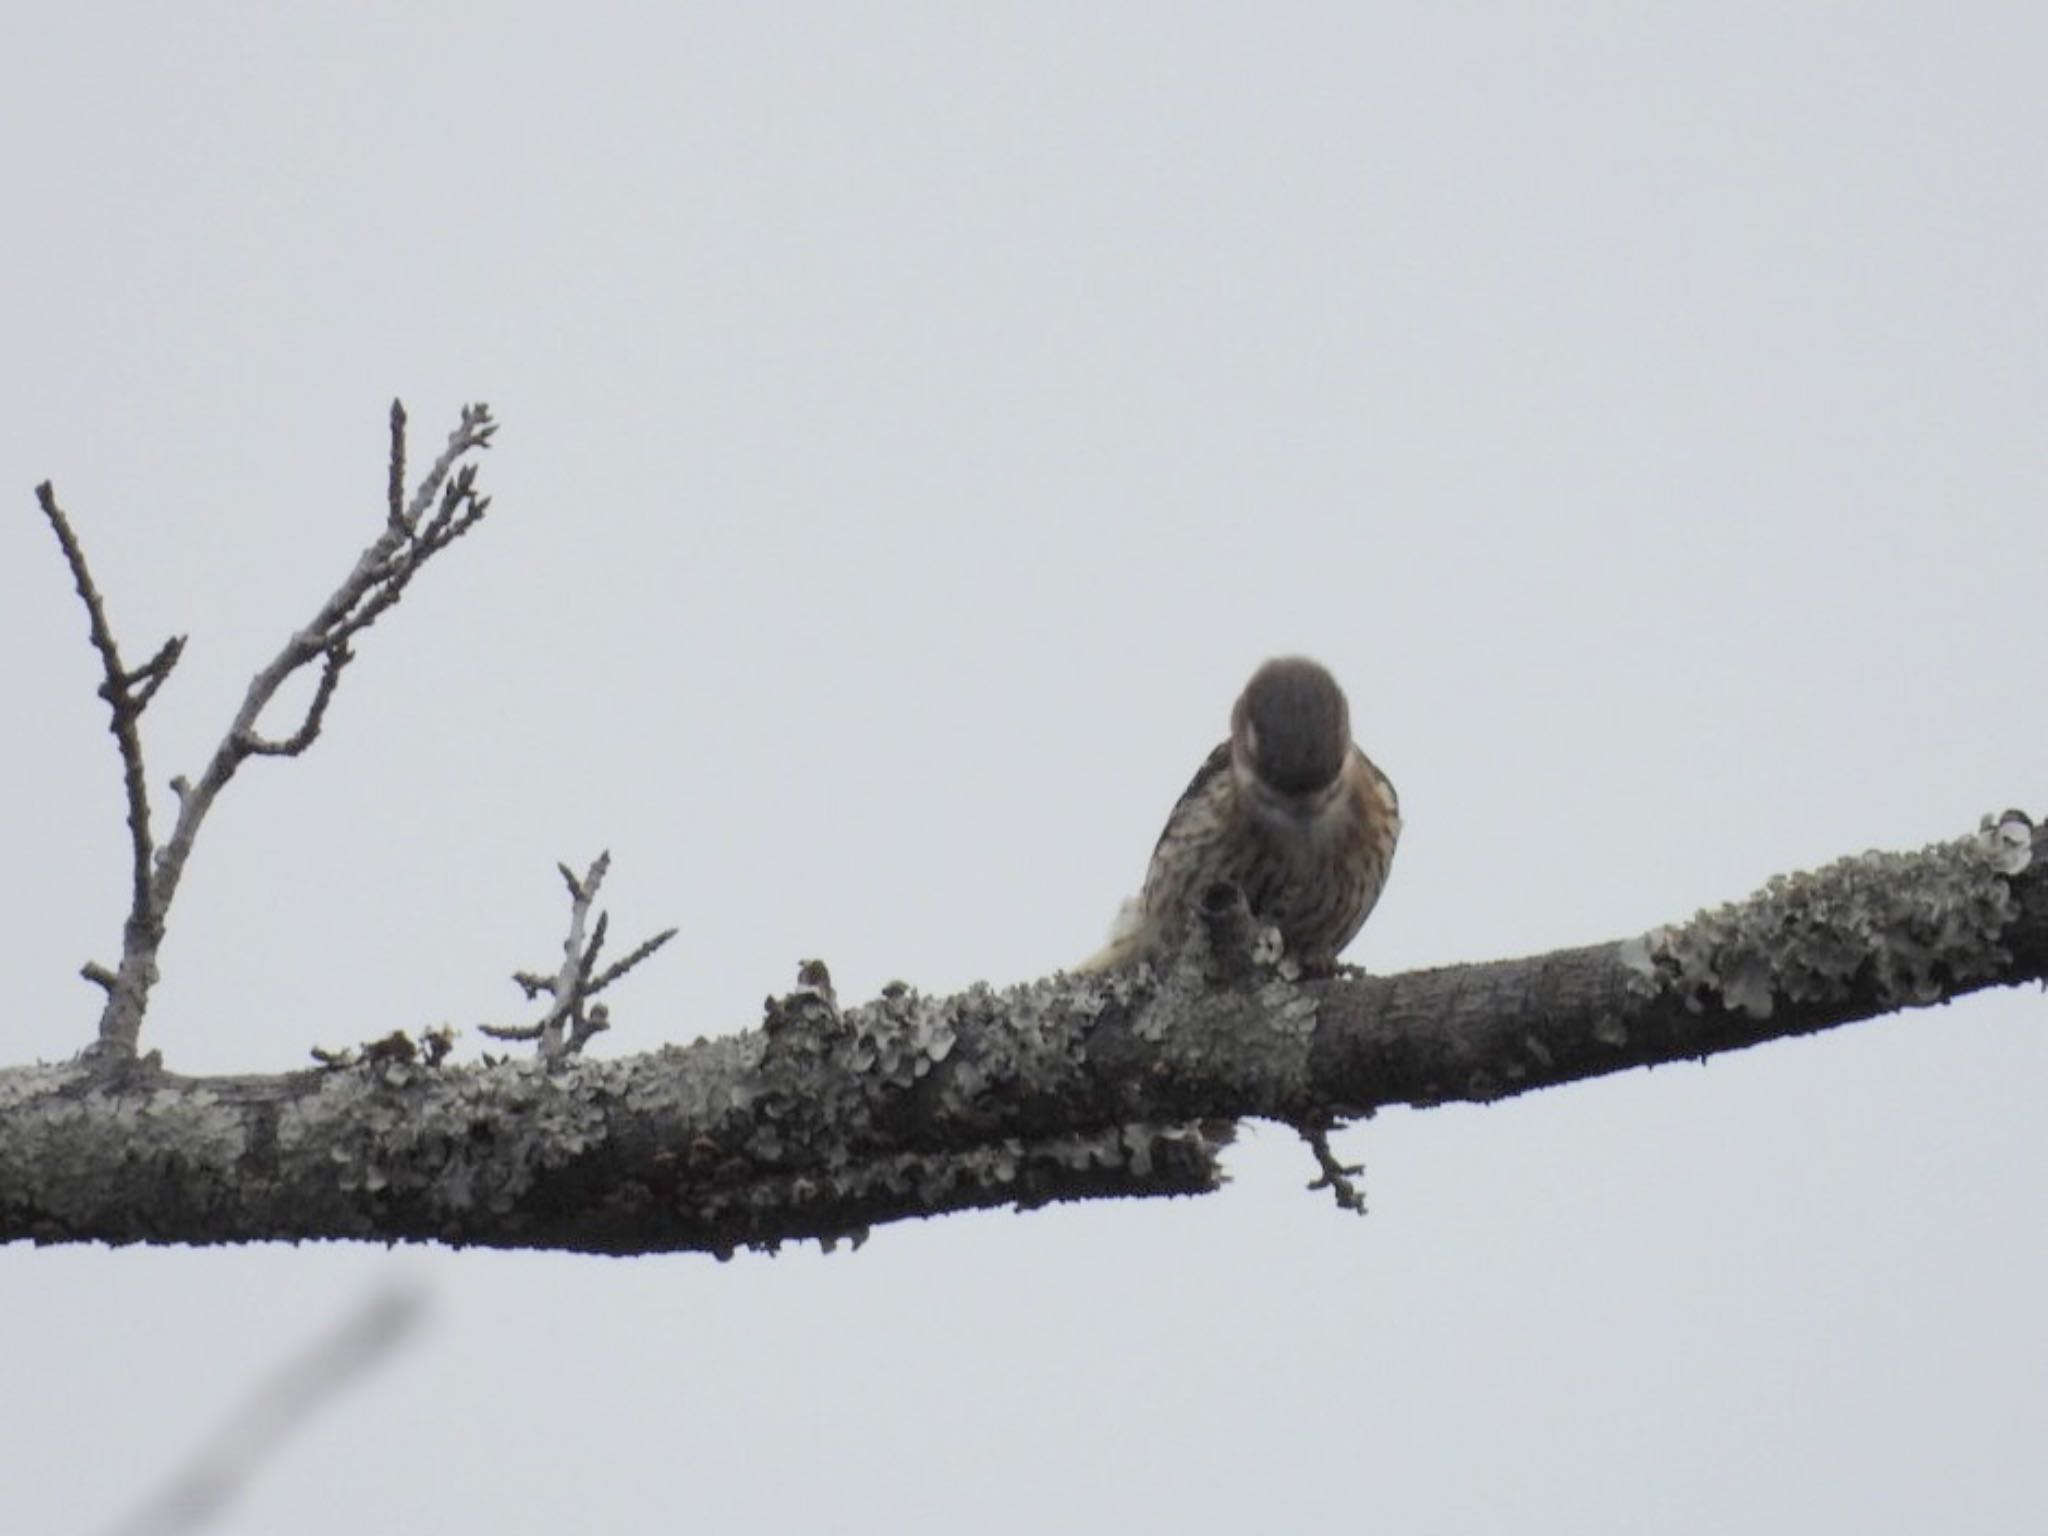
(918, 421)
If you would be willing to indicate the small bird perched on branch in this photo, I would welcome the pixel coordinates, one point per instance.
(1288, 810)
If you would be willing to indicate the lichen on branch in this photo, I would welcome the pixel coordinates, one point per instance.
(1809, 938)
(826, 1121)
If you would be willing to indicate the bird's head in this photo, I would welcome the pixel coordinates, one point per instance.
(1290, 731)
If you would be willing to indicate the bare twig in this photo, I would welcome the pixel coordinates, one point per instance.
(127, 694)
(338, 656)
(379, 578)
(594, 948)
(1336, 1176)
(619, 968)
(596, 872)
(593, 1022)
(223, 1465)
(569, 981)
(148, 677)
(395, 482)
(571, 1019)
(532, 983)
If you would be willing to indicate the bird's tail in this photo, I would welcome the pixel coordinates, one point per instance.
(1129, 940)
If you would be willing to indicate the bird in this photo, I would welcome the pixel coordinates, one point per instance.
(1288, 810)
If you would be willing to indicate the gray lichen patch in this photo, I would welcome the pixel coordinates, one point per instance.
(939, 1101)
(1287, 1009)
(453, 1141)
(66, 1112)
(1911, 926)
(59, 1124)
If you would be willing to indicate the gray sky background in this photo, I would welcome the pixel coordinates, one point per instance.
(918, 421)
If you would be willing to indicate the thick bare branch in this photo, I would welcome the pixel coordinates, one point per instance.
(824, 1122)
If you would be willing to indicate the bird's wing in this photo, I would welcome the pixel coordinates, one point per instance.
(1216, 762)
(1129, 935)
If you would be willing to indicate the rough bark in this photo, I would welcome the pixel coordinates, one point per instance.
(821, 1123)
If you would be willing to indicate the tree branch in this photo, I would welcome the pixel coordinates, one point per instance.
(823, 1122)
(571, 1020)
(208, 1485)
(376, 583)
(127, 694)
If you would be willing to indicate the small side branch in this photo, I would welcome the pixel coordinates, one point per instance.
(444, 506)
(572, 1019)
(1336, 1176)
(336, 657)
(394, 493)
(127, 694)
(147, 678)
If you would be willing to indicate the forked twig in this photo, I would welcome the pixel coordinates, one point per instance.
(572, 1019)
(443, 507)
(1336, 1176)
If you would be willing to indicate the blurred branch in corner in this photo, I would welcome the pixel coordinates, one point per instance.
(203, 1489)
